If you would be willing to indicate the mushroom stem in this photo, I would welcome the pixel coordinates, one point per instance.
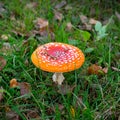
(58, 77)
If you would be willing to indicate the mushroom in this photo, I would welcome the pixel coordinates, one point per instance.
(58, 58)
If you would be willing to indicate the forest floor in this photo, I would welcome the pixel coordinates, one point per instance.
(89, 93)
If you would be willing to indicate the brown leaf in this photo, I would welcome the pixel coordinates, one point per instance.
(46, 33)
(33, 114)
(43, 28)
(58, 15)
(85, 22)
(11, 115)
(41, 23)
(24, 88)
(1, 94)
(13, 83)
(95, 69)
(84, 19)
(2, 63)
(61, 4)
(69, 26)
(31, 5)
(92, 21)
(65, 89)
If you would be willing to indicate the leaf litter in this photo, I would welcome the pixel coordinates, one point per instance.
(97, 70)
(43, 28)
(25, 87)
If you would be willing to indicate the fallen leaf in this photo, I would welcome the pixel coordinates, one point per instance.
(65, 89)
(84, 19)
(85, 22)
(1, 94)
(31, 5)
(58, 15)
(69, 26)
(88, 26)
(24, 88)
(11, 115)
(33, 114)
(97, 70)
(43, 28)
(92, 21)
(41, 23)
(2, 63)
(13, 83)
(61, 4)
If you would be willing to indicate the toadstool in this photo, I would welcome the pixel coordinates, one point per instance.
(58, 58)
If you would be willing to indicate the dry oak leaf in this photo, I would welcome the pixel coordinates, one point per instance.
(97, 70)
(2, 63)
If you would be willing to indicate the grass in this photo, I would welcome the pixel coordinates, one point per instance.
(93, 97)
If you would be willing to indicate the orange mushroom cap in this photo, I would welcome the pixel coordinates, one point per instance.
(57, 57)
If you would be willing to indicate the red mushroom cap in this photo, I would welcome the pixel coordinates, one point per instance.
(58, 57)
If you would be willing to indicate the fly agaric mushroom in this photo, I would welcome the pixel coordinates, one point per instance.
(58, 58)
